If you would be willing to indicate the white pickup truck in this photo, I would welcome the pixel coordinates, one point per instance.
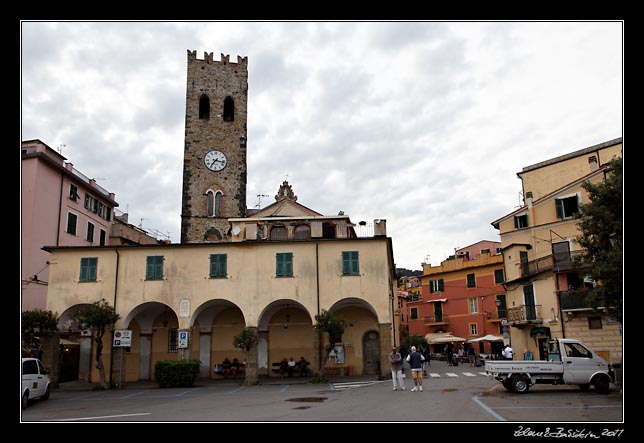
(569, 362)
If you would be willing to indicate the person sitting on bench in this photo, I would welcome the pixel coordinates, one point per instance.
(303, 367)
(234, 367)
(225, 367)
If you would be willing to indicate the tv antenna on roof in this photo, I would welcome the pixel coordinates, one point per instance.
(259, 200)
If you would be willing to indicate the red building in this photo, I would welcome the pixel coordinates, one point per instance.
(464, 296)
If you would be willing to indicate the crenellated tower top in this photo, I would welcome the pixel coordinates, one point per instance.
(209, 58)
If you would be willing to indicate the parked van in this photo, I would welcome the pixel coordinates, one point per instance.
(35, 381)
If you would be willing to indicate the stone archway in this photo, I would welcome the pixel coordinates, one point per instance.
(154, 328)
(285, 330)
(214, 324)
(365, 342)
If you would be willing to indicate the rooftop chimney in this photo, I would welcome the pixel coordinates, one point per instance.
(592, 161)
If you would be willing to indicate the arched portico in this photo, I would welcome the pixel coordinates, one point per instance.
(214, 325)
(365, 342)
(285, 330)
(154, 328)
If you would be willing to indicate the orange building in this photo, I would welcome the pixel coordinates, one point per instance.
(463, 296)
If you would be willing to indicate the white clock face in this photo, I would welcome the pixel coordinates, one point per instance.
(215, 160)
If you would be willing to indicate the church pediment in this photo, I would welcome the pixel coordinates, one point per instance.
(286, 208)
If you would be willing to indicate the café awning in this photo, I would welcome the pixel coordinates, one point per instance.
(433, 339)
(489, 337)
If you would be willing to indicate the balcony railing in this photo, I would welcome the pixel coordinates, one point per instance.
(436, 320)
(414, 297)
(574, 299)
(525, 314)
(536, 266)
(569, 260)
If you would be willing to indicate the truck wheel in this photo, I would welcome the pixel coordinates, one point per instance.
(584, 387)
(520, 384)
(47, 392)
(507, 384)
(25, 399)
(601, 384)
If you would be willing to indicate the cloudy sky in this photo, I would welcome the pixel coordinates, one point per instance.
(424, 124)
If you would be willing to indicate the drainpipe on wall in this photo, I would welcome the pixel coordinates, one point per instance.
(321, 355)
(60, 208)
(116, 282)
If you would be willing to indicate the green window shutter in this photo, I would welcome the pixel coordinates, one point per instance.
(92, 268)
(288, 264)
(83, 270)
(355, 263)
(498, 276)
(471, 281)
(516, 222)
(441, 285)
(149, 268)
(559, 208)
(431, 286)
(279, 264)
(213, 266)
(345, 262)
(158, 274)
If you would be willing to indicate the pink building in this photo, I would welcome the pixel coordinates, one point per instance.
(475, 250)
(59, 206)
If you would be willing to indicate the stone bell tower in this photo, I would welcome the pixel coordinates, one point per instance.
(214, 158)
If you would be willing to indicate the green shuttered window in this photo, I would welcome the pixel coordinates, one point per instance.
(350, 263)
(154, 267)
(88, 267)
(218, 264)
(284, 264)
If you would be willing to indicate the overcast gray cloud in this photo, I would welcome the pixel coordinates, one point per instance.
(424, 124)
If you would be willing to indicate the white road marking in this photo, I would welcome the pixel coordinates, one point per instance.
(488, 409)
(433, 374)
(104, 416)
(451, 374)
(469, 374)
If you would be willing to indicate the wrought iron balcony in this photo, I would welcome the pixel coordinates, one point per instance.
(436, 320)
(524, 314)
(574, 299)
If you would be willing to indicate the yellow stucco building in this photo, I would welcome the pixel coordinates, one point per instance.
(281, 267)
(546, 289)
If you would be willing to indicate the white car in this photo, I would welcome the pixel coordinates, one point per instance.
(35, 381)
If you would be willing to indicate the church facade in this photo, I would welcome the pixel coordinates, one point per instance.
(271, 270)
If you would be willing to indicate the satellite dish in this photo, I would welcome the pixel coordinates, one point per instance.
(236, 230)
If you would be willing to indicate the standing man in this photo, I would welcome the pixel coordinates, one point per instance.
(508, 352)
(396, 369)
(416, 360)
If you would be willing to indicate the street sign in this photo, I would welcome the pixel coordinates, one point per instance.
(122, 338)
(504, 322)
(183, 340)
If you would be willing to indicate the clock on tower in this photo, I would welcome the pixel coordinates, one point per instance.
(214, 159)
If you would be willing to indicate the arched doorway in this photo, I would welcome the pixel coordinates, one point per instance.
(74, 359)
(371, 353)
(361, 323)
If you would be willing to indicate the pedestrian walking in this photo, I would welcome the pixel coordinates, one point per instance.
(415, 360)
(395, 359)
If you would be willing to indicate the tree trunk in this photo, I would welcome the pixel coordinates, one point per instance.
(99, 356)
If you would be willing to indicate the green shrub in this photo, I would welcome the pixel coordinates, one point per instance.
(173, 373)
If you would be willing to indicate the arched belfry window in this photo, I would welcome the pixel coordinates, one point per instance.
(204, 107)
(213, 203)
(218, 200)
(210, 203)
(229, 109)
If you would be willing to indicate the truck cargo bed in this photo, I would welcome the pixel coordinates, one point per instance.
(524, 366)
